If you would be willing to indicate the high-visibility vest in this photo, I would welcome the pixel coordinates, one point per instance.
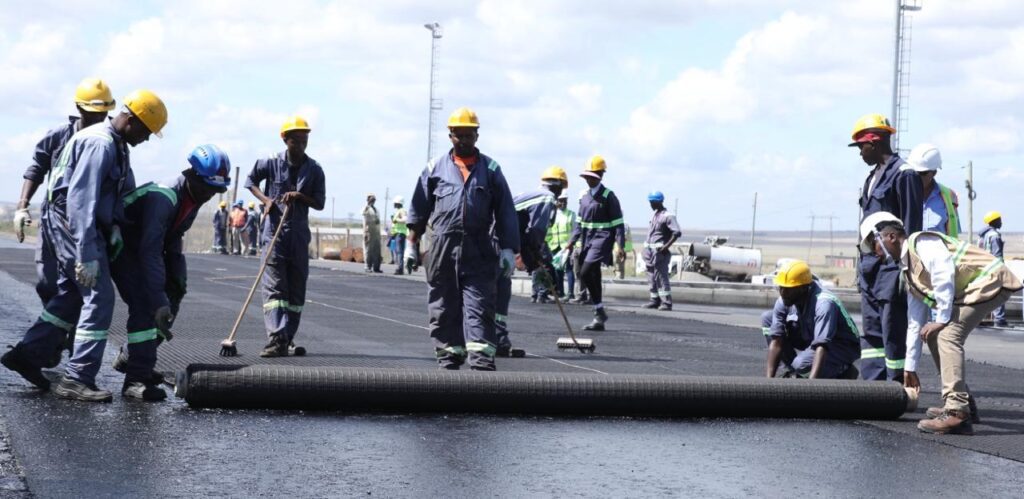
(398, 225)
(952, 219)
(561, 230)
(978, 276)
(238, 217)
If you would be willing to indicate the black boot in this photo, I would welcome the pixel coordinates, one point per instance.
(600, 317)
(16, 361)
(654, 303)
(275, 349)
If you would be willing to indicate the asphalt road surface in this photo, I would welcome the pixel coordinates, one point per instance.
(56, 448)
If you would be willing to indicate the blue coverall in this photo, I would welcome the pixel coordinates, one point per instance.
(284, 281)
(46, 155)
(220, 231)
(461, 262)
(600, 226)
(86, 187)
(535, 212)
(820, 320)
(151, 273)
(663, 228)
(252, 228)
(992, 241)
(883, 301)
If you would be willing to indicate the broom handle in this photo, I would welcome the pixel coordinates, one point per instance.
(554, 294)
(263, 267)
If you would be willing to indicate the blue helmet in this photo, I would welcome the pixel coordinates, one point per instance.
(210, 163)
(656, 196)
(239, 203)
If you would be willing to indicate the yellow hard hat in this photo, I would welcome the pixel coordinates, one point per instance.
(149, 109)
(793, 274)
(596, 164)
(873, 121)
(463, 117)
(252, 205)
(294, 123)
(223, 204)
(992, 215)
(94, 95)
(555, 173)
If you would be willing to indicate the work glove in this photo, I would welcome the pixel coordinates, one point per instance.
(21, 219)
(115, 244)
(163, 318)
(409, 253)
(86, 273)
(508, 262)
(558, 261)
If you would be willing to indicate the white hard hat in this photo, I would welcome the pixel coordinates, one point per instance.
(870, 225)
(924, 158)
(398, 200)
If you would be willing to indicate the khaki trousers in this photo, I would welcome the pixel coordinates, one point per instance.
(947, 349)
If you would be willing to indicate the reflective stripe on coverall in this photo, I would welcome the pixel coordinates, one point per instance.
(663, 228)
(991, 240)
(534, 212)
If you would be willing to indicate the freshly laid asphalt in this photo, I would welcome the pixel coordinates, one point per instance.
(130, 449)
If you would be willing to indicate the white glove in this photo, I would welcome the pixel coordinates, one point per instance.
(508, 262)
(21, 219)
(87, 273)
(558, 261)
(409, 253)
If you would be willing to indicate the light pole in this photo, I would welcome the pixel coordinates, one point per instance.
(435, 103)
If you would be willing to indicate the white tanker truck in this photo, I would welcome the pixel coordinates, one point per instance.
(716, 260)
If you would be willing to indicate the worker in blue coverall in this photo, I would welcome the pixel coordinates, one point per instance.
(151, 274)
(460, 196)
(535, 211)
(93, 100)
(600, 226)
(809, 330)
(252, 229)
(657, 254)
(991, 240)
(86, 188)
(294, 179)
(220, 229)
(883, 300)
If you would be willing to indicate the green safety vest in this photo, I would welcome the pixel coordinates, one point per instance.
(978, 276)
(561, 230)
(952, 219)
(399, 226)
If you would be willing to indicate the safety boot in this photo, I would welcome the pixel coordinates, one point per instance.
(275, 349)
(654, 303)
(15, 360)
(1002, 323)
(143, 390)
(953, 422)
(665, 307)
(934, 412)
(72, 389)
(600, 317)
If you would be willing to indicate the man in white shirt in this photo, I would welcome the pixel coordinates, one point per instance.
(961, 283)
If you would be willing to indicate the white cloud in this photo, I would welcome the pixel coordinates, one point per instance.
(1002, 138)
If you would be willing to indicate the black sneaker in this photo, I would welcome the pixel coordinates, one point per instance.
(15, 361)
(120, 363)
(1002, 324)
(149, 392)
(652, 304)
(275, 349)
(76, 390)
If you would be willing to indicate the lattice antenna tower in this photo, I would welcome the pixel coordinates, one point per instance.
(901, 69)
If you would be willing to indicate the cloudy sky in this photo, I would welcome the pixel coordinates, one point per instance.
(707, 100)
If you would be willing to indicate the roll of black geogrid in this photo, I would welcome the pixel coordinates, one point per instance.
(401, 390)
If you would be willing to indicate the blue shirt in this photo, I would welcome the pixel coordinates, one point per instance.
(934, 217)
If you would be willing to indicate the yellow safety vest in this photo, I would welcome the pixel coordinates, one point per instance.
(561, 230)
(399, 226)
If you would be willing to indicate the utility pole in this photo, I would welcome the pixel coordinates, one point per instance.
(753, 222)
(901, 70)
(332, 212)
(971, 194)
(810, 241)
(387, 202)
(435, 103)
(234, 194)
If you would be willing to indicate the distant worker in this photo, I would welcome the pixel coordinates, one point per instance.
(619, 265)
(809, 331)
(399, 230)
(663, 233)
(295, 180)
(371, 235)
(961, 284)
(151, 274)
(939, 215)
(252, 230)
(460, 196)
(220, 229)
(558, 239)
(535, 211)
(991, 240)
(883, 300)
(88, 183)
(93, 101)
(600, 227)
(237, 221)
